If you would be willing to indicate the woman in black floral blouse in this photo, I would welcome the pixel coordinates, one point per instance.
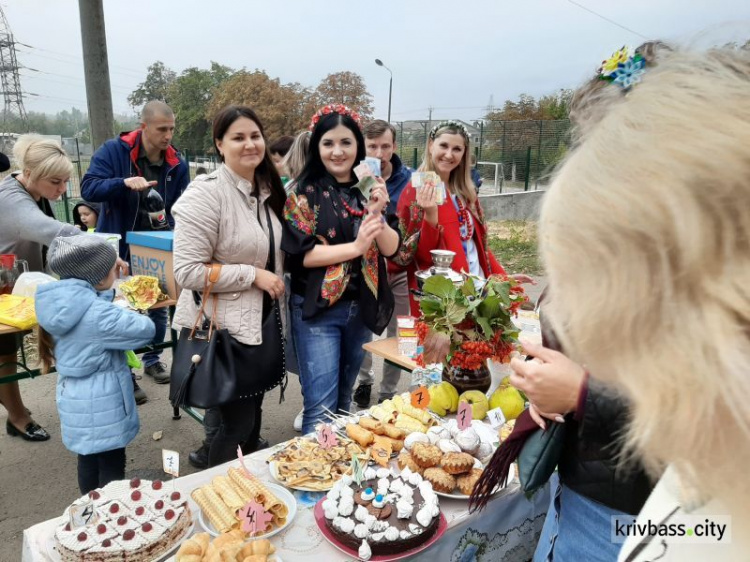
(336, 242)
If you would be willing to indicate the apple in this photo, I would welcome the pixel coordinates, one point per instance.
(440, 400)
(509, 400)
(478, 402)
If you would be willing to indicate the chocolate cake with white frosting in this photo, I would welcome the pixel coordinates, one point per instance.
(388, 513)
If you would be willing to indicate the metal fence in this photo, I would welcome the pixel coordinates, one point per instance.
(511, 155)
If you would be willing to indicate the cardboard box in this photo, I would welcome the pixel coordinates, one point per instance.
(151, 254)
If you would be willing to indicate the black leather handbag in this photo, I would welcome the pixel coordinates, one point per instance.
(211, 368)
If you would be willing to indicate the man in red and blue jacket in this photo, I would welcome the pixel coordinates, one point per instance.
(121, 173)
(123, 169)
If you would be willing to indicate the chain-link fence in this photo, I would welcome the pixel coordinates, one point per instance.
(510, 155)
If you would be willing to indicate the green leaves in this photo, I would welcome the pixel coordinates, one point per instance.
(440, 287)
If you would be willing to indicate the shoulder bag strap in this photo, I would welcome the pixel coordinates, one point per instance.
(212, 276)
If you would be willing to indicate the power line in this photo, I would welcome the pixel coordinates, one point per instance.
(76, 57)
(613, 22)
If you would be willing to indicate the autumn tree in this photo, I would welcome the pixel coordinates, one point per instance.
(154, 87)
(347, 88)
(189, 96)
(279, 106)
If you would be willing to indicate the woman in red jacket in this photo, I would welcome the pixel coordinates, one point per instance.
(458, 224)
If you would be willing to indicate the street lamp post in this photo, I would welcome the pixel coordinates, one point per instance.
(390, 86)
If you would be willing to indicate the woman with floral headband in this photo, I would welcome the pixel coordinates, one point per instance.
(336, 241)
(458, 223)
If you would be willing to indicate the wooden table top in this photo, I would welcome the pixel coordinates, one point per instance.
(388, 349)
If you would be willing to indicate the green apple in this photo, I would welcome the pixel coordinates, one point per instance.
(478, 401)
(509, 400)
(453, 393)
(440, 400)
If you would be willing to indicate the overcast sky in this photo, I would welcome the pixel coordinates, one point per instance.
(449, 54)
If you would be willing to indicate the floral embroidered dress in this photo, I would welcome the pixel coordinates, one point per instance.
(321, 214)
(446, 236)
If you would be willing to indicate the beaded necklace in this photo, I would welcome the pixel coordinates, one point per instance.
(353, 212)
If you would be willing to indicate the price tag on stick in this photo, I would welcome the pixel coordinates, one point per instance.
(170, 462)
(496, 418)
(83, 514)
(464, 416)
(420, 397)
(254, 517)
(326, 437)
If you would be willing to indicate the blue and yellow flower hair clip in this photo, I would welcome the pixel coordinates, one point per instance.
(625, 68)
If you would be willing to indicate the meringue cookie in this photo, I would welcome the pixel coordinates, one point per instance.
(360, 513)
(379, 526)
(404, 509)
(370, 473)
(377, 537)
(391, 534)
(364, 552)
(396, 485)
(346, 525)
(331, 512)
(335, 492)
(384, 483)
(328, 503)
(424, 516)
(379, 501)
(369, 521)
(415, 479)
(383, 472)
(404, 534)
(414, 528)
(434, 510)
(368, 495)
(361, 531)
(407, 494)
(346, 507)
(346, 480)
(415, 438)
(337, 521)
(406, 472)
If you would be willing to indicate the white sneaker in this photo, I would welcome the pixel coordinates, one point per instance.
(298, 421)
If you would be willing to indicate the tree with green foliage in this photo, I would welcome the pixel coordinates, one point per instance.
(154, 87)
(189, 97)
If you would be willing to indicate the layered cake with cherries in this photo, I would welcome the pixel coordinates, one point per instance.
(128, 521)
(387, 513)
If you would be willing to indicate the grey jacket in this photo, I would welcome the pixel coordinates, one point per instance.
(216, 221)
(24, 228)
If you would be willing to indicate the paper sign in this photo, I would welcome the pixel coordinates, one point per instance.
(254, 518)
(170, 462)
(464, 415)
(420, 397)
(83, 514)
(496, 418)
(381, 450)
(326, 437)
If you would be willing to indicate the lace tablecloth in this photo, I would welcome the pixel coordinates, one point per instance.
(508, 528)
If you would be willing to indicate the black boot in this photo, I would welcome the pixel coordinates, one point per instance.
(199, 458)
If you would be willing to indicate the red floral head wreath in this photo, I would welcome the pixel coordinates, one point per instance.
(339, 108)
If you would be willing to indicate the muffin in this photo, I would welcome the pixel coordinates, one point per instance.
(441, 481)
(404, 459)
(457, 463)
(466, 482)
(426, 455)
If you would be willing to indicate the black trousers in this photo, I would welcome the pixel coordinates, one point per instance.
(240, 425)
(98, 469)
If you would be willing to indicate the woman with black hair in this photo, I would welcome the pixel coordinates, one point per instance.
(225, 217)
(336, 242)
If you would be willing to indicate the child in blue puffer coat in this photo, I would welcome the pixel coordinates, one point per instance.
(86, 336)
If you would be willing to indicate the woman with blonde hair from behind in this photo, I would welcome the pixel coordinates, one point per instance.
(645, 234)
(295, 159)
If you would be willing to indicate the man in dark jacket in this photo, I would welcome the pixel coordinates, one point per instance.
(380, 142)
(121, 174)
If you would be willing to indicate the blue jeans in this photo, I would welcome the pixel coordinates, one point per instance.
(159, 318)
(577, 528)
(329, 353)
